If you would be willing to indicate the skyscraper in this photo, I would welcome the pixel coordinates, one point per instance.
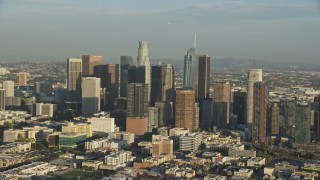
(190, 76)
(260, 104)
(2, 99)
(162, 84)
(288, 113)
(90, 95)
(23, 78)
(204, 77)
(125, 63)
(206, 114)
(317, 124)
(36, 86)
(109, 75)
(9, 87)
(74, 72)
(46, 87)
(143, 61)
(222, 99)
(196, 116)
(220, 115)
(137, 100)
(167, 75)
(136, 74)
(273, 118)
(240, 106)
(153, 118)
(88, 64)
(126, 60)
(301, 127)
(165, 113)
(254, 75)
(185, 109)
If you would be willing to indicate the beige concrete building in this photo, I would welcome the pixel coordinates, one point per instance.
(178, 132)
(90, 95)
(9, 87)
(162, 147)
(23, 78)
(33, 134)
(102, 125)
(246, 173)
(77, 128)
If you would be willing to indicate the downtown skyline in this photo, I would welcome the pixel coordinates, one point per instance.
(273, 30)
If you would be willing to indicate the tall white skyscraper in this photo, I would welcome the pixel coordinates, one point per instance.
(254, 75)
(143, 61)
(9, 87)
(90, 95)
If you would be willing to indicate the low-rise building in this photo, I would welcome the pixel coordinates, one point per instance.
(214, 177)
(13, 116)
(102, 125)
(187, 173)
(225, 147)
(90, 163)
(44, 109)
(162, 147)
(178, 132)
(241, 153)
(137, 125)
(71, 140)
(284, 168)
(156, 161)
(10, 135)
(246, 173)
(16, 147)
(77, 128)
(7, 160)
(29, 170)
(106, 143)
(305, 175)
(33, 134)
(190, 142)
(129, 137)
(256, 162)
(117, 159)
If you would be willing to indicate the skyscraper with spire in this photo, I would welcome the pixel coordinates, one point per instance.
(143, 61)
(190, 76)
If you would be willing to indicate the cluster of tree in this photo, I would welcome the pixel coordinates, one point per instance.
(15, 125)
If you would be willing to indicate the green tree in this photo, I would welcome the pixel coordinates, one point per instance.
(38, 146)
(7, 125)
(22, 139)
(202, 146)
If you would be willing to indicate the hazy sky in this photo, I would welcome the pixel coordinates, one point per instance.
(282, 30)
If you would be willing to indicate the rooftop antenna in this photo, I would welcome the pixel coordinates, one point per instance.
(195, 41)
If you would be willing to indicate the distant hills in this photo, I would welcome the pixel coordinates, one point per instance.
(217, 65)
